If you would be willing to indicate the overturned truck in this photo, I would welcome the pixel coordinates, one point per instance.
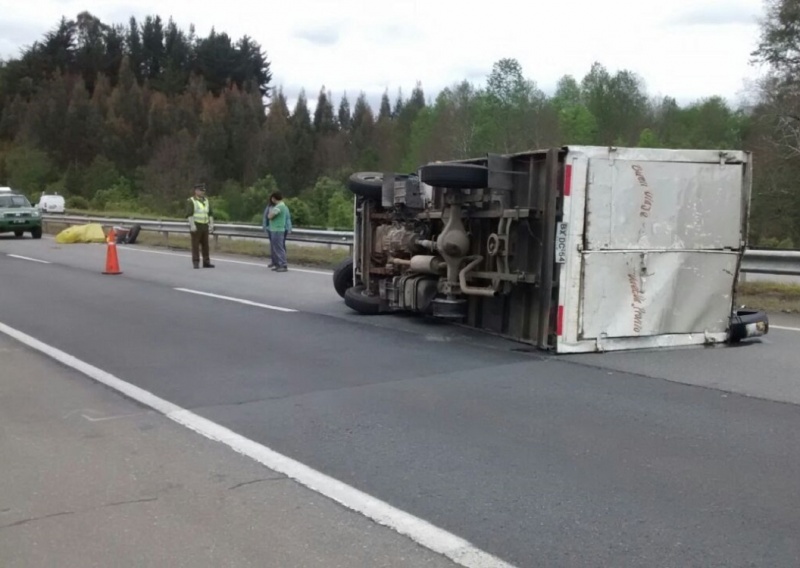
(572, 249)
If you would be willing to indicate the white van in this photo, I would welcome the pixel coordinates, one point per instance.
(52, 203)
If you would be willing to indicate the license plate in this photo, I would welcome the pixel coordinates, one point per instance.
(561, 243)
(18, 221)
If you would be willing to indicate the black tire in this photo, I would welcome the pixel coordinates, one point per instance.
(455, 176)
(133, 234)
(19, 234)
(36, 232)
(343, 276)
(356, 300)
(369, 184)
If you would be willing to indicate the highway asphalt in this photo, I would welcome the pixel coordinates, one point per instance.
(90, 478)
(674, 458)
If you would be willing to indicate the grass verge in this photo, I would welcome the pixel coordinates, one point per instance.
(770, 296)
(320, 257)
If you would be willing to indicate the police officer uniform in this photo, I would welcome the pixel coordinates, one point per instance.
(201, 224)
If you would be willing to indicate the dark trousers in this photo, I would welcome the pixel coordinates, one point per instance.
(277, 248)
(200, 240)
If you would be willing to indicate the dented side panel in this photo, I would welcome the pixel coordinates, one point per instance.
(636, 294)
(640, 204)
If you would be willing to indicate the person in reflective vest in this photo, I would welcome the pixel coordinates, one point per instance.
(201, 224)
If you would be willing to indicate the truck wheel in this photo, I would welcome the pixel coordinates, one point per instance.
(357, 300)
(19, 234)
(36, 232)
(343, 276)
(455, 176)
(133, 234)
(369, 184)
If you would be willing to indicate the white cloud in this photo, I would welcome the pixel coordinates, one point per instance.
(677, 48)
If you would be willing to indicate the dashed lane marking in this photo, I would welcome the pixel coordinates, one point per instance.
(237, 300)
(19, 256)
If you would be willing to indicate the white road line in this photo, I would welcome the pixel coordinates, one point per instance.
(238, 300)
(28, 258)
(216, 259)
(784, 328)
(420, 531)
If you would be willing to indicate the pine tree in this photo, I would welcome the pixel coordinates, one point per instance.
(277, 158)
(301, 144)
(344, 115)
(385, 112)
(324, 121)
(365, 156)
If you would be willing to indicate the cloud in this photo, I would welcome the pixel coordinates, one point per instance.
(394, 33)
(720, 15)
(683, 48)
(18, 35)
(323, 35)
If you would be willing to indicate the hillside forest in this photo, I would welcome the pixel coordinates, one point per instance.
(125, 118)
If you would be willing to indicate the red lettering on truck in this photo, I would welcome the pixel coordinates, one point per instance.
(647, 201)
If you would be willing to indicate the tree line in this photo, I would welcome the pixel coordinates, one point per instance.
(127, 118)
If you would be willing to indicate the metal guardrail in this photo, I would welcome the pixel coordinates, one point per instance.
(229, 230)
(775, 262)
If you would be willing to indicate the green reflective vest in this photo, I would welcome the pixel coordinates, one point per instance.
(200, 211)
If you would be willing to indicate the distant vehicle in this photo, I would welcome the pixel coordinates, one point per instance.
(52, 203)
(17, 215)
(574, 249)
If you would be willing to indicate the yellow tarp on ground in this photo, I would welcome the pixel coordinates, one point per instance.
(91, 233)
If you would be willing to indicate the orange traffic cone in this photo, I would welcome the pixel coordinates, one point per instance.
(112, 262)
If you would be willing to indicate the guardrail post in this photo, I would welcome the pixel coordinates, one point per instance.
(216, 242)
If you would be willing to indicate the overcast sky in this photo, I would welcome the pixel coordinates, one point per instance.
(683, 48)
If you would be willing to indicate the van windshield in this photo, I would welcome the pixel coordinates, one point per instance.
(14, 201)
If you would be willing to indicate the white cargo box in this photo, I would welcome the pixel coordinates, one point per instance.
(649, 246)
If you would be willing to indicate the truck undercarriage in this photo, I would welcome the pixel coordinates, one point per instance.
(474, 241)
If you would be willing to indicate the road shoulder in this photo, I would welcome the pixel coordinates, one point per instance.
(91, 478)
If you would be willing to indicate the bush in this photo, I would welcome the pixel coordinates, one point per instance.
(118, 197)
(328, 203)
(768, 242)
(299, 210)
(78, 202)
(340, 211)
(101, 174)
(28, 169)
(219, 206)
